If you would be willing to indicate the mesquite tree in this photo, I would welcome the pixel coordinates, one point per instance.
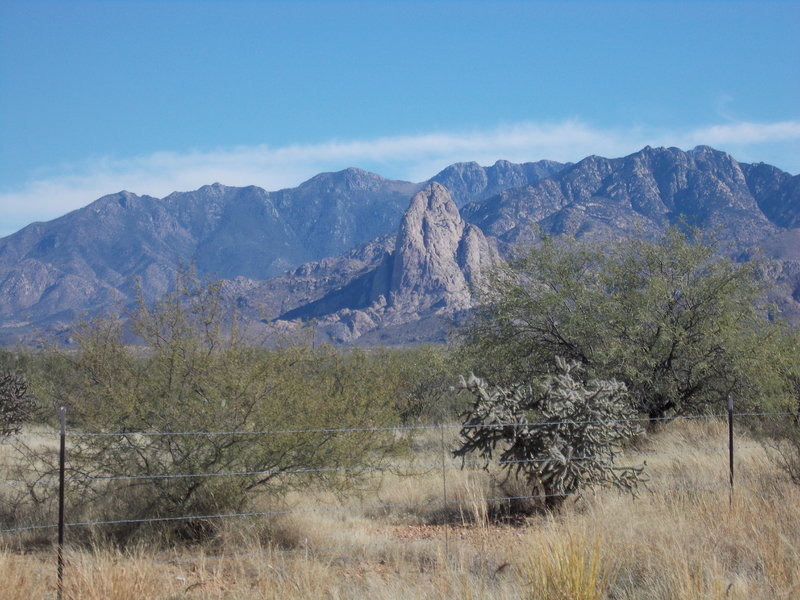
(197, 420)
(674, 319)
(560, 433)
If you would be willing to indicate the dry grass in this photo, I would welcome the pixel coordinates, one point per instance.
(573, 567)
(674, 542)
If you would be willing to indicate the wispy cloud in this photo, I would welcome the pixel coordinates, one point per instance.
(741, 134)
(411, 157)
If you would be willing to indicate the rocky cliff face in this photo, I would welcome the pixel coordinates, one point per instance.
(645, 191)
(435, 260)
(469, 182)
(437, 255)
(777, 193)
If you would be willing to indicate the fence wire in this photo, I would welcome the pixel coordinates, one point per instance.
(361, 507)
(388, 428)
(376, 467)
(398, 467)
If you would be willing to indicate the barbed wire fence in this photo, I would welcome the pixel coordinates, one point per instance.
(444, 503)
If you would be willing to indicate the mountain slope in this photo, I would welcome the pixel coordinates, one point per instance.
(646, 191)
(94, 258)
(332, 244)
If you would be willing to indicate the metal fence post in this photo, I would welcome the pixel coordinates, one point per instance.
(730, 445)
(444, 491)
(61, 463)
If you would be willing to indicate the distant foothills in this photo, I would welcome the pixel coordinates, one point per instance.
(370, 260)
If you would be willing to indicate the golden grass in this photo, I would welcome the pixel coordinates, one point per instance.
(574, 566)
(674, 542)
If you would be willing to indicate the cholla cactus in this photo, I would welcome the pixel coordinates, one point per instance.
(562, 434)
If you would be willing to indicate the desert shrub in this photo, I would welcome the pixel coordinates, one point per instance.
(560, 433)
(777, 425)
(425, 380)
(196, 419)
(782, 442)
(780, 434)
(16, 404)
(13, 361)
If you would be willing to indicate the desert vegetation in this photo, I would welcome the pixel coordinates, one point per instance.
(569, 446)
(681, 325)
(679, 539)
(560, 435)
(16, 405)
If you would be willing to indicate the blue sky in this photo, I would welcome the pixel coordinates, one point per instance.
(156, 95)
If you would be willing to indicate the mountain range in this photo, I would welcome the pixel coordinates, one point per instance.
(372, 260)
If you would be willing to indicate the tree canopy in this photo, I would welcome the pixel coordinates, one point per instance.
(196, 418)
(680, 324)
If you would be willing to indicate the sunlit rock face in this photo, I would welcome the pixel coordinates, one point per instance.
(437, 256)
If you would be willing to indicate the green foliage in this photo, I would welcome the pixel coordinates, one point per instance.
(16, 405)
(560, 433)
(198, 371)
(780, 436)
(424, 379)
(780, 432)
(678, 323)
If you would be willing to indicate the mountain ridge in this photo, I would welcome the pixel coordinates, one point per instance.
(294, 248)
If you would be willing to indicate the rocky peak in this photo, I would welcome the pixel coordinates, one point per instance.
(436, 254)
(213, 191)
(431, 208)
(350, 179)
(120, 199)
(470, 182)
(437, 257)
(355, 178)
(427, 240)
